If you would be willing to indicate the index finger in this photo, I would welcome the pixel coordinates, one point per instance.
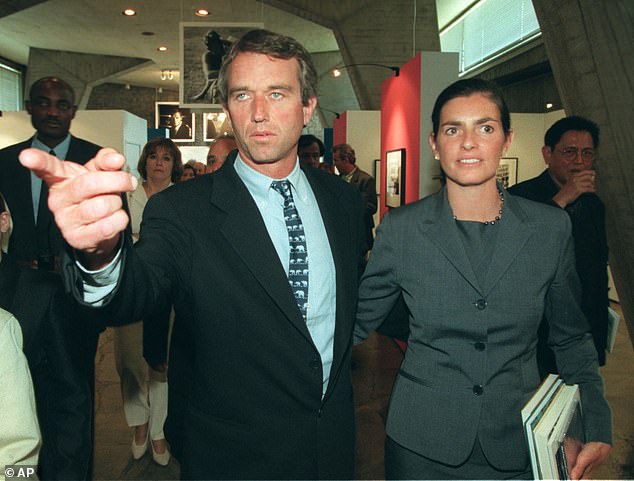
(53, 170)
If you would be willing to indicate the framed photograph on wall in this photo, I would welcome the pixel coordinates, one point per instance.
(395, 178)
(203, 46)
(507, 171)
(377, 176)
(180, 122)
(216, 124)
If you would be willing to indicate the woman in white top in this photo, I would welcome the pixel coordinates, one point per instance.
(19, 429)
(143, 387)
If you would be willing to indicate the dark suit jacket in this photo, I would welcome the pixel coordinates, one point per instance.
(28, 241)
(367, 186)
(470, 363)
(587, 215)
(256, 409)
(57, 349)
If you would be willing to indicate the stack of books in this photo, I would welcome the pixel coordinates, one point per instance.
(553, 423)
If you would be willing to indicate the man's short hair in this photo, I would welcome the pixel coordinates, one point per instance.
(61, 84)
(276, 46)
(309, 139)
(346, 152)
(574, 122)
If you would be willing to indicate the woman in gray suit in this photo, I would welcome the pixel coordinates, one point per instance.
(478, 269)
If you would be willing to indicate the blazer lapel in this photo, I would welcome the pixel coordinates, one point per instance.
(441, 228)
(246, 232)
(513, 234)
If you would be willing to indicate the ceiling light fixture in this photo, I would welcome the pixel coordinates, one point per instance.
(336, 72)
(549, 105)
(129, 12)
(201, 12)
(162, 48)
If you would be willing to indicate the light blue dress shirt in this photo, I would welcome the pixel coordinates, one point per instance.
(322, 292)
(61, 150)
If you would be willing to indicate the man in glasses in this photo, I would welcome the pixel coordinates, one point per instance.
(569, 183)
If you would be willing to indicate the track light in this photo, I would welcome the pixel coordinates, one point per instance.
(336, 72)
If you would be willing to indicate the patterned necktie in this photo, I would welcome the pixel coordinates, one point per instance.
(298, 258)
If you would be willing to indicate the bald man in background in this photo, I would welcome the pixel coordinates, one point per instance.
(219, 150)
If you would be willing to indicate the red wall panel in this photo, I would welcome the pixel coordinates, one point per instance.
(400, 125)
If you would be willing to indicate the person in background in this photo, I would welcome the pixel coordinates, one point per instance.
(345, 160)
(310, 149)
(53, 340)
(218, 152)
(189, 173)
(36, 239)
(568, 183)
(272, 341)
(19, 430)
(143, 387)
(478, 268)
(200, 168)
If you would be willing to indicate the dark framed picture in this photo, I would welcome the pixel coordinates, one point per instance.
(215, 124)
(507, 171)
(181, 122)
(395, 178)
(377, 176)
(203, 46)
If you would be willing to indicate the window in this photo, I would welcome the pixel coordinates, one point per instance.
(10, 88)
(489, 29)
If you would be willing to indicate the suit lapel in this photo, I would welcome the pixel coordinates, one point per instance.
(513, 234)
(441, 228)
(253, 245)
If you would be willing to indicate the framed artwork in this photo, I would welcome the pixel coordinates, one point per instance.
(180, 122)
(377, 177)
(395, 178)
(215, 124)
(507, 171)
(203, 46)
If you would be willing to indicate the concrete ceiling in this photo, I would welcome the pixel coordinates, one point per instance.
(98, 27)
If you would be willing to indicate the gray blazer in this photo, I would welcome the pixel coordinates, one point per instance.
(470, 363)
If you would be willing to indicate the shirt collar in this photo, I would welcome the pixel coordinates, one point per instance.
(61, 149)
(259, 184)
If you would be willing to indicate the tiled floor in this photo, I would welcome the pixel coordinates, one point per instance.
(375, 363)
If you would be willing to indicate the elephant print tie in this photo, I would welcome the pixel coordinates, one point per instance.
(298, 258)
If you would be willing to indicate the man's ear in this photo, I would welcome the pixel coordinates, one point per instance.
(547, 153)
(4, 222)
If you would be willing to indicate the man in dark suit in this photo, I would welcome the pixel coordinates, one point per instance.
(569, 183)
(345, 160)
(180, 129)
(271, 343)
(36, 240)
(52, 337)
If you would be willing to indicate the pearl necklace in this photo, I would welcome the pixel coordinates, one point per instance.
(497, 217)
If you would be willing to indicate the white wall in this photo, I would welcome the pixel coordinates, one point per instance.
(118, 129)
(363, 133)
(528, 139)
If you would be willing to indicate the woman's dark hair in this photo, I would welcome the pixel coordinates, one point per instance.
(3, 204)
(466, 87)
(151, 147)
